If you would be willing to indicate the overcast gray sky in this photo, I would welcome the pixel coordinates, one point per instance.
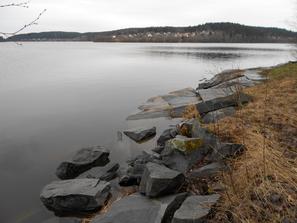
(100, 15)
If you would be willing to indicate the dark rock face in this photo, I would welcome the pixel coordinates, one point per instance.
(106, 173)
(195, 209)
(75, 197)
(208, 170)
(83, 160)
(140, 209)
(158, 180)
(140, 134)
(214, 116)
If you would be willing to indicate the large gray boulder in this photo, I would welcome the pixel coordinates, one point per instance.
(82, 161)
(166, 135)
(195, 209)
(158, 180)
(140, 134)
(140, 209)
(75, 197)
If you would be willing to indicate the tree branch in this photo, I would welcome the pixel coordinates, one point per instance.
(34, 22)
(21, 4)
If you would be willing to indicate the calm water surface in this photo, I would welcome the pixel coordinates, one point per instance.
(58, 97)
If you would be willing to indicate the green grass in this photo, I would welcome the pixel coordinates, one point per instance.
(283, 71)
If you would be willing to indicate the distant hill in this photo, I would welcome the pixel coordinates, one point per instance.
(209, 32)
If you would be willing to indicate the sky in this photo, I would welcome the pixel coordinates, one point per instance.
(102, 15)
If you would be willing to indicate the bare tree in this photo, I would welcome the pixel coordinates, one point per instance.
(32, 23)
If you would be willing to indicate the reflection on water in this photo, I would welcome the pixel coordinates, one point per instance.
(59, 97)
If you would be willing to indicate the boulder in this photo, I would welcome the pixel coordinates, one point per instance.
(214, 93)
(184, 144)
(239, 82)
(195, 209)
(106, 173)
(75, 197)
(140, 134)
(158, 180)
(214, 116)
(140, 209)
(82, 161)
(208, 170)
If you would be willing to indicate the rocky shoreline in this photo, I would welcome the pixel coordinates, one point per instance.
(156, 186)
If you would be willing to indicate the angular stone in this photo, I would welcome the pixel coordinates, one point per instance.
(140, 209)
(149, 114)
(77, 197)
(184, 144)
(237, 83)
(208, 170)
(195, 209)
(214, 116)
(220, 78)
(140, 134)
(83, 160)
(158, 180)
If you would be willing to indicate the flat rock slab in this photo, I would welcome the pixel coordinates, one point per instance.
(77, 197)
(164, 105)
(195, 209)
(215, 93)
(220, 78)
(82, 161)
(215, 116)
(158, 180)
(140, 209)
(140, 134)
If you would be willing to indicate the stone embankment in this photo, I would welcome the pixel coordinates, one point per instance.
(162, 176)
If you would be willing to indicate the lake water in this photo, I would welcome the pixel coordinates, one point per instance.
(58, 97)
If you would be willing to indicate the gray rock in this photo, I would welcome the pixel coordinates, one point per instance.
(77, 197)
(140, 134)
(195, 209)
(106, 173)
(226, 150)
(83, 160)
(220, 78)
(214, 93)
(208, 170)
(149, 114)
(239, 82)
(140, 209)
(214, 116)
(158, 180)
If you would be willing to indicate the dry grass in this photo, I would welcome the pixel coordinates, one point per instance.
(190, 112)
(262, 186)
